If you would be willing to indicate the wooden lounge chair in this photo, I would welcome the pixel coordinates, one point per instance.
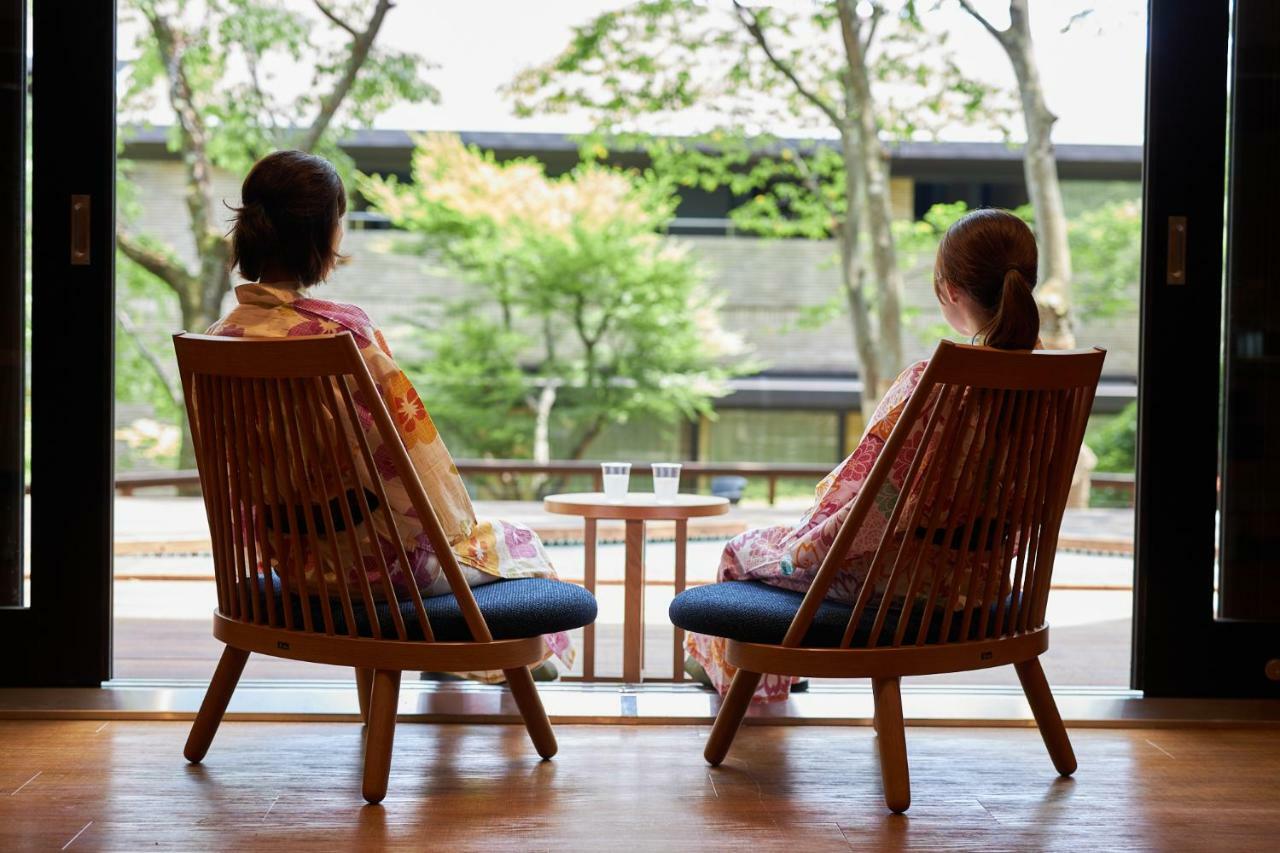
(280, 451)
(960, 579)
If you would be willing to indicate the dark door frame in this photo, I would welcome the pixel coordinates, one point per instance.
(64, 636)
(1179, 647)
(13, 314)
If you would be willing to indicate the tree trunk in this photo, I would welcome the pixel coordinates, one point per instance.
(542, 431)
(866, 179)
(853, 273)
(1040, 166)
(874, 171)
(542, 423)
(1053, 292)
(884, 258)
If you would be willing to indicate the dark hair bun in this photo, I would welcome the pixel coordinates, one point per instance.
(290, 206)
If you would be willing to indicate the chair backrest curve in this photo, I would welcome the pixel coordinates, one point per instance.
(298, 512)
(969, 548)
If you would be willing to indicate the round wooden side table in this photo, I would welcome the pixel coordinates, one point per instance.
(635, 510)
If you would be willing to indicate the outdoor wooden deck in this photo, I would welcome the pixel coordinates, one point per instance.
(164, 591)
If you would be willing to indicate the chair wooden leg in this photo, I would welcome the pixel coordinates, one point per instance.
(1048, 720)
(892, 740)
(215, 702)
(520, 680)
(732, 709)
(381, 732)
(364, 690)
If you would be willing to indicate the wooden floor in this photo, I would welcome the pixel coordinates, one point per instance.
(285, 786)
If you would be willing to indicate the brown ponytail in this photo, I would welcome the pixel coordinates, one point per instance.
(991, 255)
(290, 206)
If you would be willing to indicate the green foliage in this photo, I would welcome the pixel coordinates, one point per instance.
(656, 61)
(1106, 255)
(727, 76)
(136, 380)
(615, 317)
(1116, 441)
(232, 53)
(474, 388)
(145, 375)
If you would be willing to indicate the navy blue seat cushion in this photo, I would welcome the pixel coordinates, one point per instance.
(754, 612)
(525, 607)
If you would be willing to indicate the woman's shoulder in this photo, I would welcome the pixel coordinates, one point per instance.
(350, 317)
(909, 378)
(915, 369)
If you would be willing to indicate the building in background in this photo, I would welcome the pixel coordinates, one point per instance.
(803, 405)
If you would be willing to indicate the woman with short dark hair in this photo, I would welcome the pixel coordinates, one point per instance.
(285, 240)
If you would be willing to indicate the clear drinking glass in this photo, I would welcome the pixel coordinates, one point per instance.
(616, 477)
(666, 480)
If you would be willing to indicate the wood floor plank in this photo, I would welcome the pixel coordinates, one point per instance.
(287, 786)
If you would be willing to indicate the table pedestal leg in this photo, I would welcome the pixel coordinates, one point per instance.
(589, 581)
(633, 620)
(682, 542)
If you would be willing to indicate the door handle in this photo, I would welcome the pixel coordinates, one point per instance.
(80, 205)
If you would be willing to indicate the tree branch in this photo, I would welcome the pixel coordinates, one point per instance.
(876, 14)
(252, 62)
(194, 136)
(149, 356)
(328, 13)
(589, 435)
(815, 186)
(977, 16)
(157, 262)
(751, 23)
(361, 45)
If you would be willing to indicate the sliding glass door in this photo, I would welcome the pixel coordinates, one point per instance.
(57, 117)
(1208, 604)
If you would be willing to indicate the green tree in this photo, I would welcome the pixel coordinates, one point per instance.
(1116, 441)
(1106, 251)
(855, 71)
(214, 61)
(574, 288)
(477, 389)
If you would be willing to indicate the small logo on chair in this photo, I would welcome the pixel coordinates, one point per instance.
(985, 656)
(281, 644)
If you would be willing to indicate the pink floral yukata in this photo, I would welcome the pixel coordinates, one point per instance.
(789, 557)
(486, 550)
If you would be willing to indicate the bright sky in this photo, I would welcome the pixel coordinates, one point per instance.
(1093, 74)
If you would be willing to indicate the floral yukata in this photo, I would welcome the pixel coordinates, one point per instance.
(486, 550)
(789, 557)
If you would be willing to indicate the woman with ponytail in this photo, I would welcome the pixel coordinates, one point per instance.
(284, 241)
(983, 277)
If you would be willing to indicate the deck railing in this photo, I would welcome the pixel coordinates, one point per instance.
(127, 482)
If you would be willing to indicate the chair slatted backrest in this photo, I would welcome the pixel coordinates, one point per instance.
(276, 424)
(969, 548)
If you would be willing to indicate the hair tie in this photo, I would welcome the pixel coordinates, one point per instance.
(1021, 277)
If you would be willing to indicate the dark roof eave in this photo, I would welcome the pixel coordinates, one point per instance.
(146, 139)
